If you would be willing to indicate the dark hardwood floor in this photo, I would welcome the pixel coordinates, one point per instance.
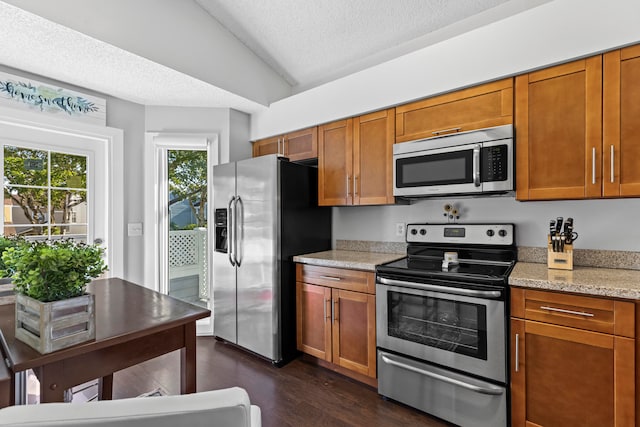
(298, 394)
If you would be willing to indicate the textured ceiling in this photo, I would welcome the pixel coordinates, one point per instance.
(307, 42)
(313, 42)
(40, 46)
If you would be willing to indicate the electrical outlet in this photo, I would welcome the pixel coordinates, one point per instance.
(400, 229)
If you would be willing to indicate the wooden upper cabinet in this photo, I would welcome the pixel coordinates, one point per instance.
(478, 107)
(263, 147)
(355, 160)
(621, 123)
(299, 145)
(335, 164)
(559, 132)
(373, 138)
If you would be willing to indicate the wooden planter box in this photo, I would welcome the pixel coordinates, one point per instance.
(51, 326)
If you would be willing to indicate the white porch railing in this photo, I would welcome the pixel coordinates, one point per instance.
(188, 257)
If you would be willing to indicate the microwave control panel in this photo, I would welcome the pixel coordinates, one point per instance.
(494, 163)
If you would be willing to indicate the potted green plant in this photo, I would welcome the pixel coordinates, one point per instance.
(53, 310)
(7, 295)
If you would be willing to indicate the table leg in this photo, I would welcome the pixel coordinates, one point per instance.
(52, 382)
(188, 360)
(105, 387)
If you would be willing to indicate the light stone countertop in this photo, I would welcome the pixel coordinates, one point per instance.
(609, 282)
(355, 260)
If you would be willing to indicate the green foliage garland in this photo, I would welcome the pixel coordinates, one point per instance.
(52, 270)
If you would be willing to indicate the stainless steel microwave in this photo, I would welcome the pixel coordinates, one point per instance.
(473, 162)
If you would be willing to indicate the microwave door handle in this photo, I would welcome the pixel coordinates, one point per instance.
(476, 166)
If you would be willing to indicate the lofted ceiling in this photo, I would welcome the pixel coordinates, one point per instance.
(317, 41)
(242, 54)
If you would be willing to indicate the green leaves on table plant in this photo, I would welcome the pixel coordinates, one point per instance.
(52, 270)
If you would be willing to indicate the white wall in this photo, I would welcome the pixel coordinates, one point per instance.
(601, 224)
(550, 33)
(231, 126)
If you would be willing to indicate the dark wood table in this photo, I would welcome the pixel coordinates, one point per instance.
(133, 324)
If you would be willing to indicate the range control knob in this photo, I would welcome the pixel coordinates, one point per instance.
(490, 233)
(414, 231)
(423, 231)
(502, 233)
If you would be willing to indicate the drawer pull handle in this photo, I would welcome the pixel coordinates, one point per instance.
(561, 310)
(336, 279)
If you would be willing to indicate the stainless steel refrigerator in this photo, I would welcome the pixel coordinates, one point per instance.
(265, 213)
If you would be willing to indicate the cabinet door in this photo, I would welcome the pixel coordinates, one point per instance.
(478, 107)
(373, 138)
(335, 175)
(354, 331)
(559, 132)
(621, 138)
(271, 145)
(569, 377)
(313, 320)
(302, 145)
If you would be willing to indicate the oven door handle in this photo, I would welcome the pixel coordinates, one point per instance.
(438, 288)
(489, 389)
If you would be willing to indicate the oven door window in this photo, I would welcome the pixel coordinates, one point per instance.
(453, 167)
(455, 326)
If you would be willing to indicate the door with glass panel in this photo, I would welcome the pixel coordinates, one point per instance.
(55, 187)
(187, 202)
(183, 168)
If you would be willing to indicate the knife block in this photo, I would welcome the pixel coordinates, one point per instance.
(559, 260)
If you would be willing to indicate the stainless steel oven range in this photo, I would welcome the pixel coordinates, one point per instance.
(442, 322)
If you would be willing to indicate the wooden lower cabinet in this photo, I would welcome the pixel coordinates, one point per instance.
(337, 326)
(567, 376)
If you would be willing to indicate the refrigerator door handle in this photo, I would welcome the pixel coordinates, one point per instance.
(239, 235)
(230, 231)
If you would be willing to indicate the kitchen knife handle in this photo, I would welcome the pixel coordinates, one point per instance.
(476, 166)
(593, 165)
(612, 165)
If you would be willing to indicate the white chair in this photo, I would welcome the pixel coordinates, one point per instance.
(219, 408)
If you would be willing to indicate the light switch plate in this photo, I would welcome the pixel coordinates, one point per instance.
(134, 229)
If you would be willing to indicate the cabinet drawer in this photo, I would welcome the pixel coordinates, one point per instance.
(478, 107)
(584, 312)
(350, 280)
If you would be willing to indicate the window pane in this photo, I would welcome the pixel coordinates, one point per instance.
(26, 205)
(75, 232)
(68, 206)
(68, 170)
(25, 230)
(25, 166)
